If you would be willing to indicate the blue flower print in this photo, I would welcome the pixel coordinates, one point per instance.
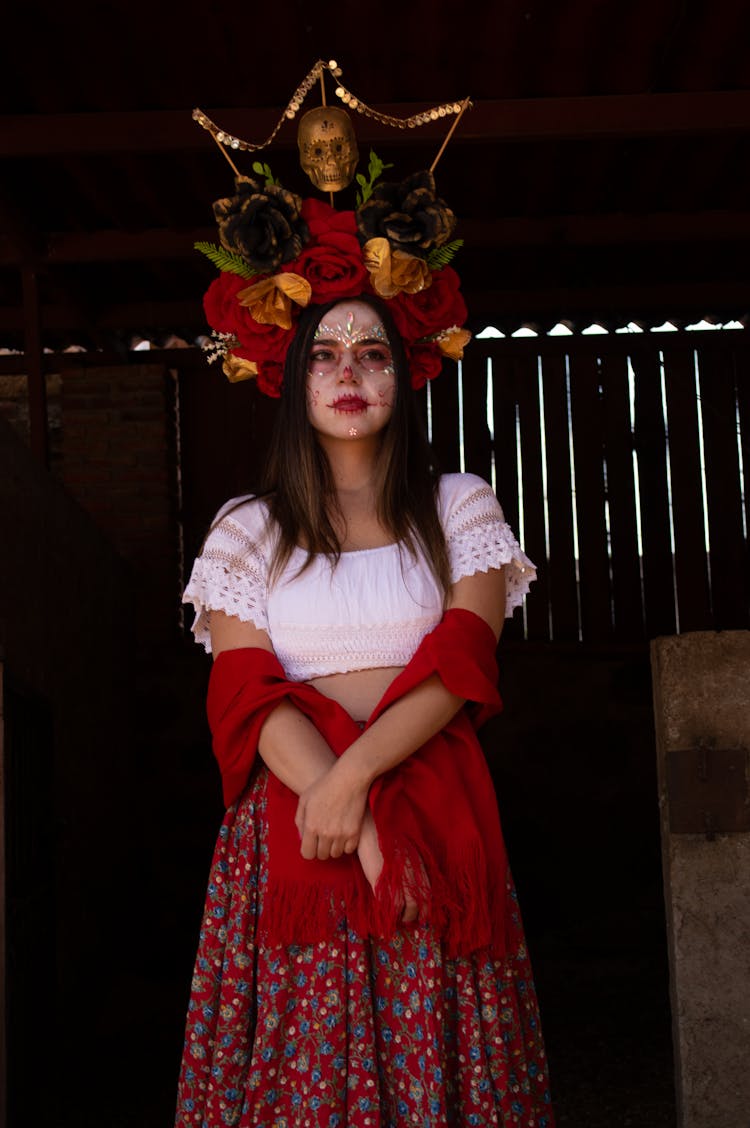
(278, 1035)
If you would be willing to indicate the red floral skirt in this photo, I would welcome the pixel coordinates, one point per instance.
(359, 1031)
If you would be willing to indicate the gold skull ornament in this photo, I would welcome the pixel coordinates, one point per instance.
(328, 148)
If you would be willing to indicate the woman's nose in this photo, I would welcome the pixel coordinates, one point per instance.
(347, 373)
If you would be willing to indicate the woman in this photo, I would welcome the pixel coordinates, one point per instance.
(361, 959)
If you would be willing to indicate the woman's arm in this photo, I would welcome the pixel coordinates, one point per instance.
(403, 728)
(290, 745)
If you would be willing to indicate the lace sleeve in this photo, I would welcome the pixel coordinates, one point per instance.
(230, 576)
(479, 538)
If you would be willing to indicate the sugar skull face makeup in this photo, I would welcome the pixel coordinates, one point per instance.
(363, 338)
(351, 381)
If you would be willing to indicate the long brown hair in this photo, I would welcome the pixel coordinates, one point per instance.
(298, 485)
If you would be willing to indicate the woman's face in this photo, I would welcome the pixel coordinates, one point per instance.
(351, 382)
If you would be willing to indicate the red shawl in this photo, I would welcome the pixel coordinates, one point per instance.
(435, 813)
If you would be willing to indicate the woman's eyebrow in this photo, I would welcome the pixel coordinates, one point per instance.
(358, 341)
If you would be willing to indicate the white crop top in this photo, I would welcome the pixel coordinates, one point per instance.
(373, 609)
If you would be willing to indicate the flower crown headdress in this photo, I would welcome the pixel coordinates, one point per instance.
(280, 252)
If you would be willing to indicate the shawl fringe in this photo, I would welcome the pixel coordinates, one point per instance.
(295, 914)
(436, 815)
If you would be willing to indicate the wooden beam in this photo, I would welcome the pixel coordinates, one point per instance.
(701, 298)
(4, 913)
(37, 385)
(675, 299)
(22, 239)
(510, 231)
(607, 229)
(514, 119)
(193, 359)
(183, 358)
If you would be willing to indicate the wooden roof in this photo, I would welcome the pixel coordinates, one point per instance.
(603, 171)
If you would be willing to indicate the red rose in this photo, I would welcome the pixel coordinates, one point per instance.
(270, 377)
(226, 315)
(425, 363)
(438, 307)
(322, 218)
(219, 301)
(332, 260)
(265, 346)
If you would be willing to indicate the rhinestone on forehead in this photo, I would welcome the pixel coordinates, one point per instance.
(347, 336)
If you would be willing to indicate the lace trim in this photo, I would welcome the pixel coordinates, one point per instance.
(314, 651)
(230, 576)
(478, 538)
(224, 582)
(483, 498)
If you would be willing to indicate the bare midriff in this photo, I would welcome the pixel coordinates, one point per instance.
(359, 691)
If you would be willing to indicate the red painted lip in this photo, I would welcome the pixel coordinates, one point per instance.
(350, 403)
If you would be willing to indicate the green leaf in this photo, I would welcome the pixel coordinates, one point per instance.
(264, 170)
(226, 260)
(441, 256)
(374, 170)
(378, 166)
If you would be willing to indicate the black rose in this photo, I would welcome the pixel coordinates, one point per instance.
(409, 215)
(262, 223)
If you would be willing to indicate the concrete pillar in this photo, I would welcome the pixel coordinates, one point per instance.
(702, 713)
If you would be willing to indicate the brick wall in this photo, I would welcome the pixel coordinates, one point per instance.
(112, 445)
(117, 459)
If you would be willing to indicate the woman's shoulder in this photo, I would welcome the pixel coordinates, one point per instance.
(230, 572)
(478, 537)
(246, 512)
(457, 492)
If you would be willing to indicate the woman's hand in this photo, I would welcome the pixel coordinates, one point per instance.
(371, 860)
(329, 814)
(368, 851)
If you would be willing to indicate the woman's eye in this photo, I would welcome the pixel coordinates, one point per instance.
(376, 356)
(321, 355)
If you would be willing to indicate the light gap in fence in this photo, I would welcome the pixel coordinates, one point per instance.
(702, 463)
(670, 503)
(573, 495)
(428, 402)
(461, 446)
(741, 461)
(521, 523)
(636, 481)
(491, 424)
(545, 486)
(607, 514)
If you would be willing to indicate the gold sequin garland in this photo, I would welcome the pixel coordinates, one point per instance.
(423, 118)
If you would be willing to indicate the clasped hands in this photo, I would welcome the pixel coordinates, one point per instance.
(330, 814)
(333, 819)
